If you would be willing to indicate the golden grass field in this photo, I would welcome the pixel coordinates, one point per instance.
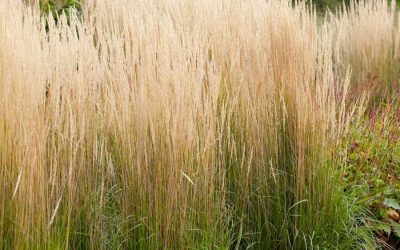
(209, 124)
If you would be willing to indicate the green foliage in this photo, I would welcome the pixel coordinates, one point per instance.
(372, 173)
(323, 5)
(57, 8)
(331, 4)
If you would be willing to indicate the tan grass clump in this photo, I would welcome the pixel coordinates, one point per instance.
(167, 124)
(368, 38)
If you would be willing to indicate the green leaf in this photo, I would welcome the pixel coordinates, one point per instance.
(396, 228)
(384, 227)
(391, 203)
(383, 212)
(353, 156)
(379, 183)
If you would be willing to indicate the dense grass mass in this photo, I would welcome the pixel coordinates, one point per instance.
(133, 124)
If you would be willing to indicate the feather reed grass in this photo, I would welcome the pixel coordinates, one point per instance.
(171, 125)
(367, 37)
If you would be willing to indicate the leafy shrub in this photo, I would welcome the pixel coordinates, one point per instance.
(372, 173)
